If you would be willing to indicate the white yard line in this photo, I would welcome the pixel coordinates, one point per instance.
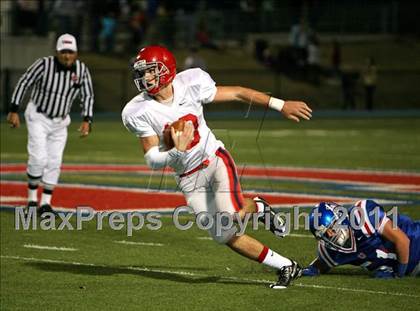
(138, 243)
(51, 248)
(364, 291)
(298, 235)
(257, 281)
(204, 238)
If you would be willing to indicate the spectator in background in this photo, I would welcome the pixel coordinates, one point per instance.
(336, 57)
(299, 40)
(203, 37)
(349, 80)
(194, 60)
(313, 67)
(69, 17)
(186, 20)
(107, 35)
(25, 16)
(153, 11)
(95, 12)
(137, 26)
(369, 82)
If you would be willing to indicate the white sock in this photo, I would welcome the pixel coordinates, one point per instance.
(33, 195)
(46, 198)
(33, 182)
(272, 259)
(259, 205)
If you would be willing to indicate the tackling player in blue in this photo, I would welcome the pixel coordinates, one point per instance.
(364, 236)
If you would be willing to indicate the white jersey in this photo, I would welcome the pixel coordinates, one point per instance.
(145, 116)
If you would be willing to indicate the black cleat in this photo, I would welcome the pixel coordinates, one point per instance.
(31, 205)
(46, 208)
(277, 224)
(287, 274)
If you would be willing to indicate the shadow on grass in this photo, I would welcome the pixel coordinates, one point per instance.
(144, 271)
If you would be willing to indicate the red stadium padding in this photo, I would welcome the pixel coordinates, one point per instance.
(379, 177)
(104, 198)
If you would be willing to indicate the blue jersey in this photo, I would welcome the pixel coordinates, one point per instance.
(371, 251)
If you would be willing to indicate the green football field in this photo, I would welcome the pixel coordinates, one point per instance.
(169, 269)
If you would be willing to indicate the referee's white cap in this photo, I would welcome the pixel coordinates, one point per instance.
(66, 42)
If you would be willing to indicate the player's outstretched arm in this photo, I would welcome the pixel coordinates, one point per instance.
(293, 110)
(401, 243)
(13, 119)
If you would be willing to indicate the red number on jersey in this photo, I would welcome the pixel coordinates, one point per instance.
(194, 120)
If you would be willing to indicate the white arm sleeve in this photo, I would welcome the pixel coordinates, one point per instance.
(156, 159)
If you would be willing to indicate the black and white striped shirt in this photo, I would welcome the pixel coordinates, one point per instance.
(56, 87)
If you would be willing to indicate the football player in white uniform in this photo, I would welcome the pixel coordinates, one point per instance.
(205, 171)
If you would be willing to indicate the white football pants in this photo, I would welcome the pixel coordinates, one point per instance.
(46, 141)
(214, 189)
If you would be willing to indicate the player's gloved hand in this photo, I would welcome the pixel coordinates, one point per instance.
(310, 271)
(402, 268)
(384, 272)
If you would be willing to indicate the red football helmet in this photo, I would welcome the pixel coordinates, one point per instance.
(159, 63)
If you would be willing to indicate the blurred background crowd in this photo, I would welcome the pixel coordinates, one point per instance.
(349, 54)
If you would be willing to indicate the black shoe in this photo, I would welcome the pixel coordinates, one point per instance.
(277, 224)
(31, 205)
(287, 274)
(46, 208)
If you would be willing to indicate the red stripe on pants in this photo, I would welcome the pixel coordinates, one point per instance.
(234, 186)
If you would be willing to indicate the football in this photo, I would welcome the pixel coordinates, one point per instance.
(167, 138)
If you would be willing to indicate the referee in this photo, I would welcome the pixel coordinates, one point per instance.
(57, 81)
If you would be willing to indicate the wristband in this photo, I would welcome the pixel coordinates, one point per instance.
(276, 104)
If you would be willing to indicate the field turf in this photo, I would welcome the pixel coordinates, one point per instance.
(171, 269)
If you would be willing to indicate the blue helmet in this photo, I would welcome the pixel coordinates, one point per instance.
(329, 222)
